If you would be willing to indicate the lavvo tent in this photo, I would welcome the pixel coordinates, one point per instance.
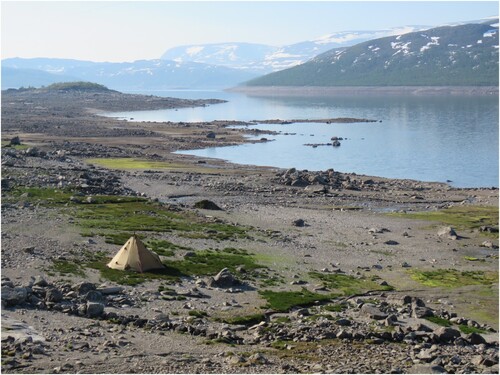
(134, 256)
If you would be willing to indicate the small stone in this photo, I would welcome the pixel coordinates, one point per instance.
(299, 223)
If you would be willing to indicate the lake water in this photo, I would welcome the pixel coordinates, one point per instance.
(434, 138)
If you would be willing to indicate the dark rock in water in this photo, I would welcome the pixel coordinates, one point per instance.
(299, 223)
(207, 205)
(335, 143)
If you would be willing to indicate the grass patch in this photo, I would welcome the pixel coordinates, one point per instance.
(248, 320)
(136, 216)
(197, 313)
(466, 329)
(473, 259)
(284, 301)
(64, 267)
(461, 217)
(98, 262)
(348, 285)
(337, 307)
(440, 321)
(210, 262)
(132, 163)
(165, 248)
(451, 278)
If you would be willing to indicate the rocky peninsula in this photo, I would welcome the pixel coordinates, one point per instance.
(266, 270)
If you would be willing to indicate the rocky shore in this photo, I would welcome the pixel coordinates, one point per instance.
(267, 270)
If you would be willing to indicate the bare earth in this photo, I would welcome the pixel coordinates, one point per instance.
(345, 230)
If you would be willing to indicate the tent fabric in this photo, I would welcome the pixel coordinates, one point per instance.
(134, 256)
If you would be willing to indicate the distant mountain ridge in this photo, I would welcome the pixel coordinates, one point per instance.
(262, 59)
(137, 75)
(465, 55)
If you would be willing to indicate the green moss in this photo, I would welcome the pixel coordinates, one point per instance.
(337, 307)
(197, 313)
(451, 278)
(136, 216)
(210, 262)
(284, 301)
(248, 320)
(348, 284)
(466, 329)
(473, 259)
(165, 248)
(131, 163)
(99, 262)
(461, 217)
(64, 267)
(440, 321)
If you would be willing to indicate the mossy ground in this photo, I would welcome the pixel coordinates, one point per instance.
(451, 278)
(460, 217)
(131, 163)
(346, 284)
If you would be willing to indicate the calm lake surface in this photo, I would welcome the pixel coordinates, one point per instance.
(424, 138)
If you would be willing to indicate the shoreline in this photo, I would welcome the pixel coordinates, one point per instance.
(365, 90)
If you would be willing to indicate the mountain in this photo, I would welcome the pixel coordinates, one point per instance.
(137, 75)
(450, 55)
(15, 78)
(262, 59)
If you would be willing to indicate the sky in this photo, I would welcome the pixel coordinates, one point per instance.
(118, 31)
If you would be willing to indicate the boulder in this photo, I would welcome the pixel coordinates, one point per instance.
(53, 295)
(373, 312)
(446, 334)
(14, 296)
(16, 141)
(94, 309)
(224, 279)
(83, 287)
(299, 223)
(207, 205)
(448, 232)
(475, 339)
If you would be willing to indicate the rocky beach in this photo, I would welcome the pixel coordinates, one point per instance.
(266, 270)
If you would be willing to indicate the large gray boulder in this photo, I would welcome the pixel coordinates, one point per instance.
(14, 296)
(373, 312)
(446, 334)
(94, 309)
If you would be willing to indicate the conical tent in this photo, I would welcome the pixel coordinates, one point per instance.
(134, 256)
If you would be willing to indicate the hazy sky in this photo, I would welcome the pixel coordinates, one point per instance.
(134, 30)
